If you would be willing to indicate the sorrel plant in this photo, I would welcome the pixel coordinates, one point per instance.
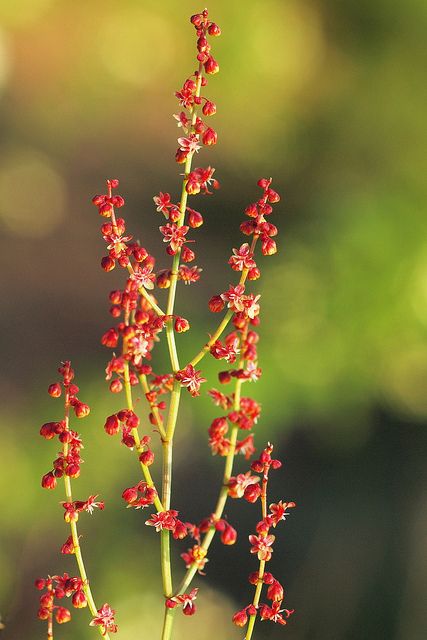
(141, 321)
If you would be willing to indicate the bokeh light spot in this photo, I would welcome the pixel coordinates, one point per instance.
(33, 194)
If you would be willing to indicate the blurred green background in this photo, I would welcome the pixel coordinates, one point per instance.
(329, 99)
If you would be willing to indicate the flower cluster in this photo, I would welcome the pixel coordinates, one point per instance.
(57, 588)
(248, 486)
(67, 466)
(69, 460)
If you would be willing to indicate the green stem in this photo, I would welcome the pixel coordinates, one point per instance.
(75, 536)
(145, 470)
(168, 623)
(223, 494)
(256, 599)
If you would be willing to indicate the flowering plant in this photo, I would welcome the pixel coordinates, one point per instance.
(140, 322)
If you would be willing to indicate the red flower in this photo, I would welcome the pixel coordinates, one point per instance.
(163, 520)
(174, 235)
(262, 546)
(105, 619)
(242, 258)
(191, 379)
(278, 511)
(195, 556)
(227, 352)
(234, 297)
(238, 484)
(143, 276)
(186, 600)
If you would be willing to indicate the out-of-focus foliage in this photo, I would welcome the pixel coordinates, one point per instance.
(329, 99)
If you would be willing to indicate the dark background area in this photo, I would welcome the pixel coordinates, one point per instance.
(329, 99)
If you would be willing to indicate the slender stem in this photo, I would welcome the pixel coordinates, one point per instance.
(145, 470)
(75, 536)
(168, 623)
(50, 619)
(256, 599)
(154, 410)
(257, 595)
(223, 494)
(176, 392)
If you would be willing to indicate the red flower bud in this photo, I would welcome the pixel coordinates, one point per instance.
(210, 137)
(163, 279)
(116, 386)
(214, 29)
(224, 377)
(81, 410)
(195, 219)
(54, 390)
(252, 493)
(147, 457)
(49, 481)
(79, 600)
(40, 584)
(211, 66)
(209, 108)
(229, 535)
(108, 263)
(240, 618)
(112, 425)
(68, 546)
(187, 255)
(216, 304)
(43, 613)
(268, 247)
(110, 338)
(181, 325)
(130, 494)
(62, 615)
(275, 591)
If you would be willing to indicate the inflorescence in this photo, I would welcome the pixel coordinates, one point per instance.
(140, 322)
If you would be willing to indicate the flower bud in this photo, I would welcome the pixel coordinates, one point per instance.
(224, 377)
(163, 279)
(49, 481)
(214, 29)
(229, 535)
(62, 615)
(40, 584)
(254, 273)
(195, 219)
(139, 253)
(130, 494)
(146, 457)
(112, 425)
(68, 546)
(79, 600)
(252, 493)
(116, 386)
(216, 304)
(54, 390)
(181, 325)
(210, 137)
(108, 263)
(81, 410)
(275, 591)
(211, 66)
(209, 108)
(187, 255)
(240, 618)
(268, 246)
